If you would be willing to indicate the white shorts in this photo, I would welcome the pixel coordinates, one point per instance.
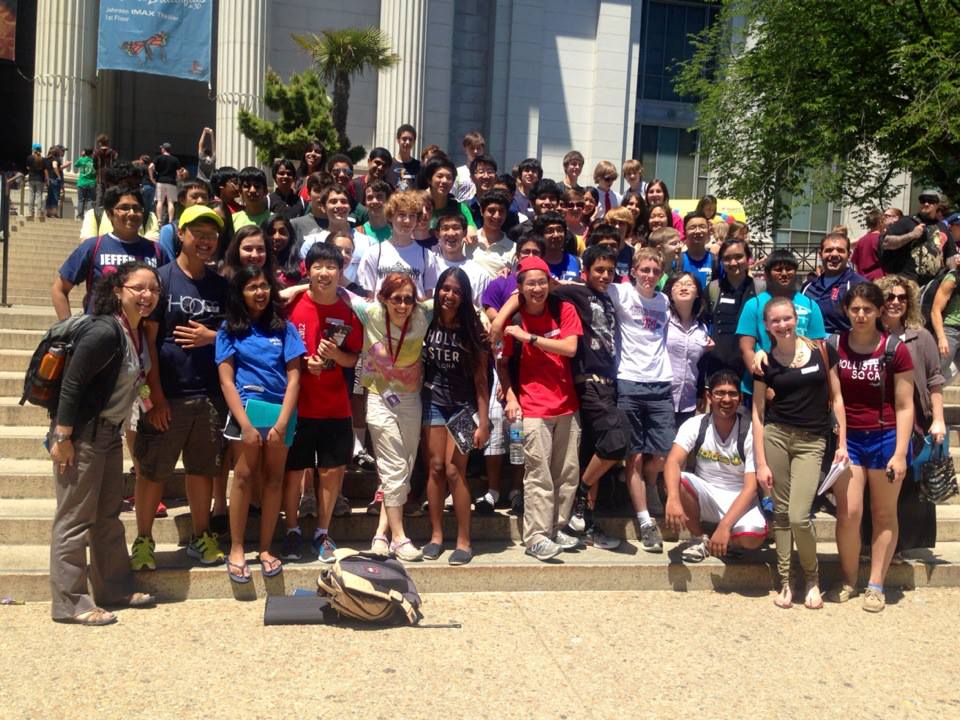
(715, 502)
(166, 192)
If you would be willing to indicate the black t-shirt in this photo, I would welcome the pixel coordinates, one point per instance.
(35, 167)
(900, 261)
(802, 394)
(445, 375)
(165, 169)
(188, 373)
(597, 350)
(725, 315)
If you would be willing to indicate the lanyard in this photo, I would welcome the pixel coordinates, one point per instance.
(137, 344)
(403, 334)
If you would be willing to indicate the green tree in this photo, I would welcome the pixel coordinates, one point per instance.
(341, 54)
(831, 98)
(304, 115)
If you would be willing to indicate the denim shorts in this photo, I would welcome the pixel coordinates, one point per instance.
(649, 408)
(438, 415)
(872, 449)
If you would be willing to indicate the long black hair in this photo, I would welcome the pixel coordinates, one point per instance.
(231, 257)
(287, 261)
(104, 298)
(474, 340)
(238, 320)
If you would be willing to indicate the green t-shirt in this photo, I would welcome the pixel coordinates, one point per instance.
(86, 174)
(241, 219)
(381, 234)
(951, 313)
(464, 210)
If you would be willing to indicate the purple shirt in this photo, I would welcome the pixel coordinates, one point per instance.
(685, 347)
(499, 291)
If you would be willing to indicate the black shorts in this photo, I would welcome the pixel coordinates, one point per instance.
(605, 428)
(323, 444)
(194, 432)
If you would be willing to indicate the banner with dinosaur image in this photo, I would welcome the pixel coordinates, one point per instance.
(161, 37)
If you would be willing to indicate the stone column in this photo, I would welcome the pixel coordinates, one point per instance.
(66, 63)
(241, 66)
(400, 89)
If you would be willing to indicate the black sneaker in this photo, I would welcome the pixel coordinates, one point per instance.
(292, 548)
(482, 506)
(516, 505)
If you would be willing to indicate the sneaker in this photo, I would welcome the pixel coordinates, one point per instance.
(544, 550)
(161, 510)
(341, 508)
(595, 537)
(206, 549)
(566, 542)
(696, 551)
(650, 538)
(324, 547)
(308, 505)
(405, 550)
(448, 504)
(483, 506)
(374, 507)
(873, 600)
(364, 460)
(516, 505)
(292, 547)
(578, 521)
(141, 553)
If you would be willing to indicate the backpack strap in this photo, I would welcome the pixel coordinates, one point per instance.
(743, 429)
(93, 259)
(691, 463)
(98, 215)
(889, 350)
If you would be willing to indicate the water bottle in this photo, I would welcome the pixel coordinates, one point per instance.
(516, 441)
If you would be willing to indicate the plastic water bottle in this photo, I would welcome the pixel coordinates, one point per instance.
(516, 441)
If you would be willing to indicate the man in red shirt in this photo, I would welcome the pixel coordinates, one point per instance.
(324, 437)
(539, 388)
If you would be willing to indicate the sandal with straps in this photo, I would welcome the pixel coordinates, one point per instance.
(380, 545)
(91, 618)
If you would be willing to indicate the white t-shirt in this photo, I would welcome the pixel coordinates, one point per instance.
(718, 462)
(412, 259)
(463, 187)
(478, 277)
(361, 242)
(492, 257)
(643, 334)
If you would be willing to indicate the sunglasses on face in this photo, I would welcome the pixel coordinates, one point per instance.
(399, 300)
(896, 297)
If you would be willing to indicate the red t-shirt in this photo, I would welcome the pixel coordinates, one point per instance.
(860, 384)
(325, 395)
(866, 256)
(546, 379)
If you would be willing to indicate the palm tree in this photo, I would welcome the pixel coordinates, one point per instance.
(341, 54)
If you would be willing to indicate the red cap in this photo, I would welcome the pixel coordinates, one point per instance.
(532, 262)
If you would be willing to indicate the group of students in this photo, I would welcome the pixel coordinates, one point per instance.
(267, 332)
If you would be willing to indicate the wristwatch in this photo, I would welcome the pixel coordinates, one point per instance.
(533, 339)
(59, 437)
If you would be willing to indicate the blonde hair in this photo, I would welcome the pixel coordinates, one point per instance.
(620, 214)
(647, 253)
(661, 236)
(632, 165)
(408, 201)
(912, 319)
(604, 168)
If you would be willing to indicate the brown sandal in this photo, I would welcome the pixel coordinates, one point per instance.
(91, 618)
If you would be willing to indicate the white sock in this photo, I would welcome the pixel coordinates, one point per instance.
(319, 532)
(294, 529)
(643, 516)
(359, 438)
(492, 496)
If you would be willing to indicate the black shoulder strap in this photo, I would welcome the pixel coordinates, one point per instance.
(701, 434)
(833, 340)
(743, 428)
(98, 215)
(93, 259)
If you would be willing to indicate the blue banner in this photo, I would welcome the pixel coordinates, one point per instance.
(162, 37)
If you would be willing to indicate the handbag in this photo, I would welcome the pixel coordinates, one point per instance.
(938, 478)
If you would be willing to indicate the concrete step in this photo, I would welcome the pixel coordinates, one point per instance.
(27, 317)
(11, 385)
(14, 414)
(29, 521)
(496, 567)
(14, 361)
(32, 479)
(20, 339)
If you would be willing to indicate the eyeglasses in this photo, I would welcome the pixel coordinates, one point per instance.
(577, 205)
(135, 209)
(725, 393)
(685, 284)
(528, 252)
(342, 171)
(896, 297)
(399, 300)
(610, 178)
(139, 290)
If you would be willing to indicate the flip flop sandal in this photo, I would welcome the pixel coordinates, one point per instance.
(91, 618)
(807, 603)
(238, 577)
(781, 603)
(268, 569)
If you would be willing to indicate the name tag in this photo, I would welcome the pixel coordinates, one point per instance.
(552, 333)
(728, 301)
(809, 369)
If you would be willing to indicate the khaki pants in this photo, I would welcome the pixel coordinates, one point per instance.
(551, 476)
(89, 496)
(794, 458)
(395, 432)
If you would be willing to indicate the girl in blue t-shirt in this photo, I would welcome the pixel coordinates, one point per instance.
(258, 356)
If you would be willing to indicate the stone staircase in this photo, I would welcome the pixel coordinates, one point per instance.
(27, 502)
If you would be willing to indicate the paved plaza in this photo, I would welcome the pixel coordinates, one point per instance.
(518, 655)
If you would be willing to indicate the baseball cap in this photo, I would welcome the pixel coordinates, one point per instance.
(532, 263)
(953, 219)
(199, 212)
(37, 146)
